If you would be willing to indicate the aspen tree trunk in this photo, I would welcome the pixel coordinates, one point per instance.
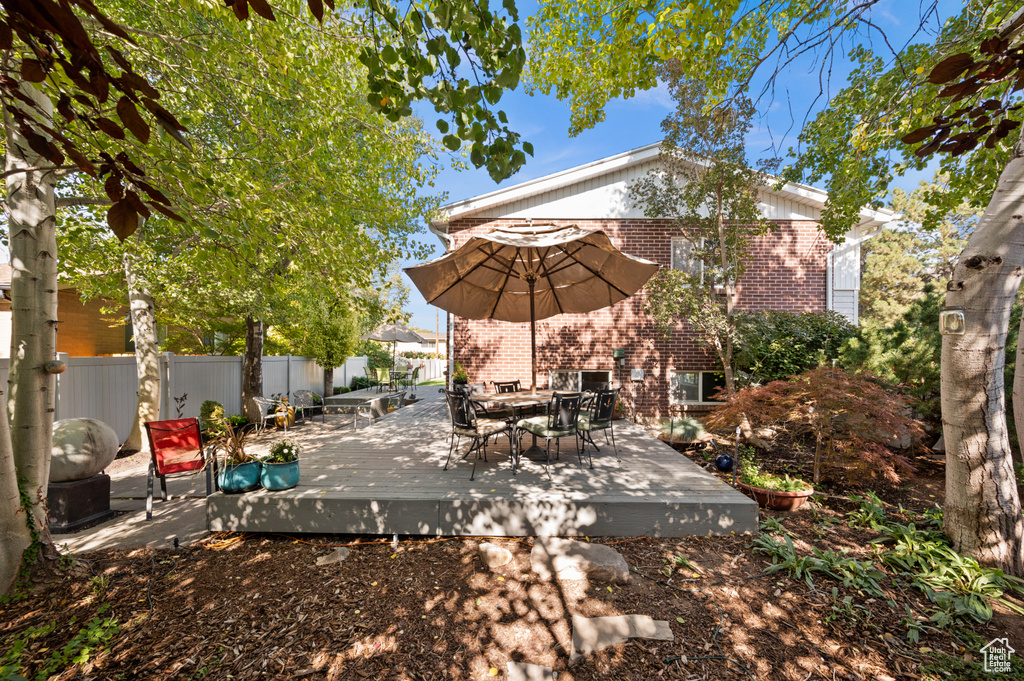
(1018, 393)
(252, 368)
(147, 355)
(982, 510)
(33, 244)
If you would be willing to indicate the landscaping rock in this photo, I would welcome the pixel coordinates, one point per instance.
(940, 445)
(523, 671)
(590, 634)
(554, 558)
(334, 557)
(81, 449)
(493, 555)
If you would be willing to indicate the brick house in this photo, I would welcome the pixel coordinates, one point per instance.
(795, 268)
(84, 330)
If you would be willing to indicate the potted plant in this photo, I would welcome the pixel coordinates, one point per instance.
(239, 471)
(775, 492)
(281, 469)
(460, 377)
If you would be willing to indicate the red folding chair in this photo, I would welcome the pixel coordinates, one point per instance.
(177, 447)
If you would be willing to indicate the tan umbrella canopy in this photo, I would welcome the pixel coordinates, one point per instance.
(530, 272)
(394, 334)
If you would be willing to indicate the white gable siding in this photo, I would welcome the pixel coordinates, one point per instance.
(608, 197)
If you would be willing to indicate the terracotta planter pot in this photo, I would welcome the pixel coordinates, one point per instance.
(774, 499)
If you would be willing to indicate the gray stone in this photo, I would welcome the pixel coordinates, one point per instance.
(334, 557)
(590, 634)
(493, 555)
(940, 444)
(554, 558)
(81, 449)
(522, 671)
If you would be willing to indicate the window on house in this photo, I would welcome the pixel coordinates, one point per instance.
(695, 387)
(686, 256)
(574, 380)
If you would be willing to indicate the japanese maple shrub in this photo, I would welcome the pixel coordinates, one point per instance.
(853, 420)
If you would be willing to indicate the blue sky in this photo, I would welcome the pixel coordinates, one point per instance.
(544, 121)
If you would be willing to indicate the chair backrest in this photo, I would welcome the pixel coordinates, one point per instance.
(563, 410)
(266, 404)
(306, 398)
(370, 372)
(176, 445)
(602, 408)
(506, 386)
(382, 374)
(461, 410)
(415, 374)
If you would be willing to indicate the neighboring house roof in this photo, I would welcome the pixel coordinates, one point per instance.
(5, 276)
(625, 168)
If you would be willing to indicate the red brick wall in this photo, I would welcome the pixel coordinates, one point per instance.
(786, 272)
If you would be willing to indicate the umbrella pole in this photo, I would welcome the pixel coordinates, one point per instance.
(533, 340)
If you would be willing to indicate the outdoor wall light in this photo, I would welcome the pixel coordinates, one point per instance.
(951, 321)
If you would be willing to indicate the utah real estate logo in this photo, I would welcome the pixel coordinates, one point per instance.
(997, 655)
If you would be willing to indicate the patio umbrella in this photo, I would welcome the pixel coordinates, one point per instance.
(530, 272)
(393, 333)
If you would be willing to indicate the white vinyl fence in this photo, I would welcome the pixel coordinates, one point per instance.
(105, 388)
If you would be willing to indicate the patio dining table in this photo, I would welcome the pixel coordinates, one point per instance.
(515, 402)
(397, 378)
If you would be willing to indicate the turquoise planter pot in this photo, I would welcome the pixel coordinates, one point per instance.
(279, 476)
(239, 477)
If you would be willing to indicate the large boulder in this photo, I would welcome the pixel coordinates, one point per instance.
(556, 559)
(81, 449)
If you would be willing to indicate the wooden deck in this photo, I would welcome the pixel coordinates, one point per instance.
(388, 478)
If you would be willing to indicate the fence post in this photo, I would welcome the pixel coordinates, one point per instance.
(61, 385)
(167, 387)
(288, 375)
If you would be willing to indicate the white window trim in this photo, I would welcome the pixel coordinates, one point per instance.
(698, 247)
(700, 385)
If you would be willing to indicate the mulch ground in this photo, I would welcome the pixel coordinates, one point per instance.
(259, 607)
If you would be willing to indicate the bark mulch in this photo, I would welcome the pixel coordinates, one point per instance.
(259, 607)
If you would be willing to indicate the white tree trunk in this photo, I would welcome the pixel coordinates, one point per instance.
(147, 356)
(33, 244)
(1018, 392)
(982, 509)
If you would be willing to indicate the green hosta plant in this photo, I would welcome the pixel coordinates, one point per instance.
(283, 451)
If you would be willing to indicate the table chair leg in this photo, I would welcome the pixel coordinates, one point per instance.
(149, 493)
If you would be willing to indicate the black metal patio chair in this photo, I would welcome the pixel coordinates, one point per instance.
(597, 413)
(506, 386)
(467, 423)
(558, 422)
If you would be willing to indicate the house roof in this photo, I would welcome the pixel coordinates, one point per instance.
(549, 184)
(5, 275)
